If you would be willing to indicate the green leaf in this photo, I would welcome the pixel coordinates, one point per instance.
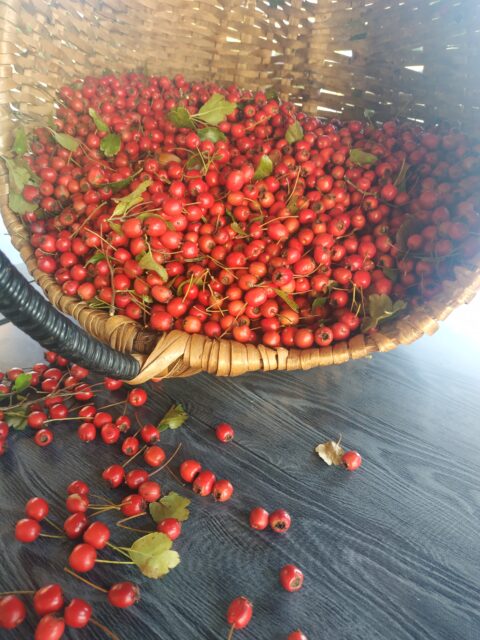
(148, 262)
(181, 118)
(391, 274)
(115, 227)
(319, 302)
(381, 308)
(18, 204)
(362, 158)
(238, 229)
(271, 94)
(130, 200)
(20, 145)
(211, 133)
(17, 419)
(294, 133)
(18, 175)
(65, 140)
(173, 419)
(96, 257)
(111, 144)
(368, 114)
(264, 168)
(173, 505)
(287, 298)
(215, 110)
(99, 123)
(292, 205)
(153, 556)
(22, 382)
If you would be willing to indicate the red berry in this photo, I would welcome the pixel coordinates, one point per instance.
(154, 456)
(12, 612)
(135, 478)
(170, 527)
(82, 558)
(291, 578)
(222, 490)
(150, 491)
(137, 397)
(110, 433)
(43, 437)
(297, 635)
(111, 384)
(114, 475)
(130, 446)
(27, 530)
(37, 509)
(87, 432)
(79, 372)
(279, 521)
(36, 419)
(76, 503)
(49, 628)
(239, 612)
(189, 469)
(48, 599)
(123, 594)
(97, 535)
(224, 432)
(132, 505)
(351, 460)
(203, 483)
(78, 486)
(150, 434)
(259, 518)
(77, 613)
(75, 525)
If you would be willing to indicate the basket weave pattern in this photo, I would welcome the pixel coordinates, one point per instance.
(335, 57)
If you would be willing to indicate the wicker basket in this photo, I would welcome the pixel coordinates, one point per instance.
(419, 59)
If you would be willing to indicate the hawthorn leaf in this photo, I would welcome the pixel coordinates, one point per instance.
(100, 124)
(18, 204)
(264, 168)
(215, 110)
(180, 117)
(96, 257)
(173, 505)
(153, 555)
(238, 229)
(330, 452)
(111, 144)
(148, 262)
(287, 298)
(362, 158)
(18, 175)
(22, 382)
(173, 419)
(16, 419)
(319, 302)
(20, 144)
(294, 133)
(211, 133)
(380, 308)
(130, 200)
(65, 140)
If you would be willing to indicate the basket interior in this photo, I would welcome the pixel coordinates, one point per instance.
(412, 58)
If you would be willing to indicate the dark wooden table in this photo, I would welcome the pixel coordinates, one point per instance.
(389, 552)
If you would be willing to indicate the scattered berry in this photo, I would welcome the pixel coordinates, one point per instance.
(291, 578)
(224, 432)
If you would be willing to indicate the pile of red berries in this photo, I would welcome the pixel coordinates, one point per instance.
(232, 214)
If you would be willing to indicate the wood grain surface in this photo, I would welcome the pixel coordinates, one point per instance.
(389, 552)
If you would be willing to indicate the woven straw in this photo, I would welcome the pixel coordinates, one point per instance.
(419, 60)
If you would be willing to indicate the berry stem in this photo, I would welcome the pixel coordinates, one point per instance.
(165, 464)
(94, 495)
(90, 584)
(51, 535)
(113, 404)
(105, 630)
(17, 593)
(231, 632)
(119, 549)
(119, 524)
(52, 524)
(115, 561)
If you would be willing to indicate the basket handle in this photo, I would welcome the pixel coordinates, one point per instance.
(26, 308)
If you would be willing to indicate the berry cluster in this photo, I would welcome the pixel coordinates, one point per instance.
(232, 214)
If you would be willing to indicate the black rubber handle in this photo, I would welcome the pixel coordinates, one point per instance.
(26, 308)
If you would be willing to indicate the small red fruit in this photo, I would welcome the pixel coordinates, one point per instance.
(297, 635)
(132, 505)
(77, 613)
(114, 475)
(137, 397)
(280, 521)
(123, 594)
(12, 612)
(351, 460)
(170, 527)
(37, 509)
(189, 469)
(222, 490)
(154, 456)
(76, 503)
(203, 483)
(48, 599)
(239, 612)
(27, 530)
(43, 437)
(150, 491)
(78, 486)
(291, 578)
(259, 518)
(49, 628)
(224, 432)
(97, 535)
(75, 525)
(82, 558)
